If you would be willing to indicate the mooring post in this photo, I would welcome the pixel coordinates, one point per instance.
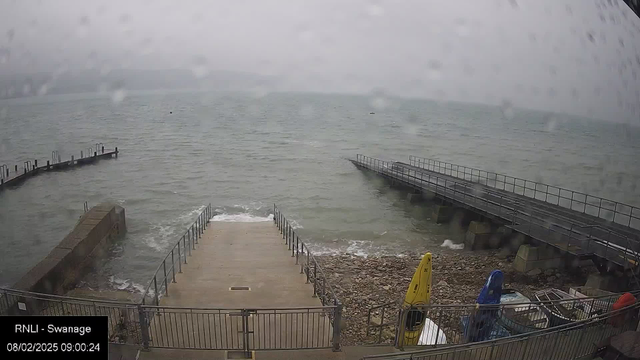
(71, 159)
(95, 153)
(116, 151)
(48, 165)
(16, 169)
(36, 163)
(103, 149)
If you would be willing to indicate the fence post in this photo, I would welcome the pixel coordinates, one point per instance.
(164, 268)
(179, 258)
(144, 328)
(337, 319)
(155, 290)
(315, 279)
(173, 265)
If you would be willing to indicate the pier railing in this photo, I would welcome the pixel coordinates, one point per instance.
(311, 268)
(574, 340)
(124, 324)
(571, 238)
(457, 324)
(606, 209)
(177, 256)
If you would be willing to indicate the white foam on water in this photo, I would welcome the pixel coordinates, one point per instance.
(241, 218)
(451, 245)
(295, 225)
(126, 284)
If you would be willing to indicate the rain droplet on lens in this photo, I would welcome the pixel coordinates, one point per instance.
(461, 28)
(374, 9)
(591, 37)
(435, 69)
(3, 112)
(5, 55)
(507, 109)
(379, 100)
(43, 90)
(513, 3)
(124, 19)
(26, 89)
(550, 126)
(10, 34)
(200, 66)
(118, 95)
(83, 25)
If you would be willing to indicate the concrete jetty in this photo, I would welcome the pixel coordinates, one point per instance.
(245, 286)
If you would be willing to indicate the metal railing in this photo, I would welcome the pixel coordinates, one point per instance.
(124, 324)
(172, 262)
(608, 244)
(566, 342)
(459, 323)
(313, 271)
(619, 213)
(241, 329)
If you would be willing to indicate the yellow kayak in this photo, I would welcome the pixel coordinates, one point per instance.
(419, 293)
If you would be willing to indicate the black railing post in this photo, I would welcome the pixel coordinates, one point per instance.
(173, 267)
(337, 319)
(144, 327)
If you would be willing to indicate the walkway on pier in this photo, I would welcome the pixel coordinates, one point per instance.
(241, 254)
(241, 289)
(576, 232)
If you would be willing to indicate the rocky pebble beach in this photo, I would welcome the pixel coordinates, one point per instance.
(364, 282)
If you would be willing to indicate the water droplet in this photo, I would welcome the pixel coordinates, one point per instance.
(621, 42)
(514, 4)
(602, 18)
(461, 28)
(5, 55)
(507, 109)
(574, 93)
(10, 34)
(200, 66)
(590, 37)
(378, 99)
(124, 19)
(3, 112)
(551, 124)
(105, 69)
(43, 89)
(83, 25)
(26, 89)
(533, 38)
(307, 111)
(435, 69)
(146, 46)
(118, 96)
(551, 92)
(553, 70)
(569, 10)
(374, 9)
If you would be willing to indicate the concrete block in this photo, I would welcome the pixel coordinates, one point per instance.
(504, 231)
(524, 266)
(442, 213)
(475, 241)
(605, 282)
(479, 227)
(528, 252)
(428, 195)
(494, 241)
(415, 198)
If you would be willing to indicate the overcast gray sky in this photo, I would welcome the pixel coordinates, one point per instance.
(580, 57)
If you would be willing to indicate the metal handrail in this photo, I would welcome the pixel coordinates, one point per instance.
(552, 333)
(4, 171)
(188, 240)
(515, 182)
(448, 186)
(311, 268)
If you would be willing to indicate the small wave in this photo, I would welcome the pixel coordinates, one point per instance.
(126, 285)
(451, 245)
(241, 218)
(295, 225)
